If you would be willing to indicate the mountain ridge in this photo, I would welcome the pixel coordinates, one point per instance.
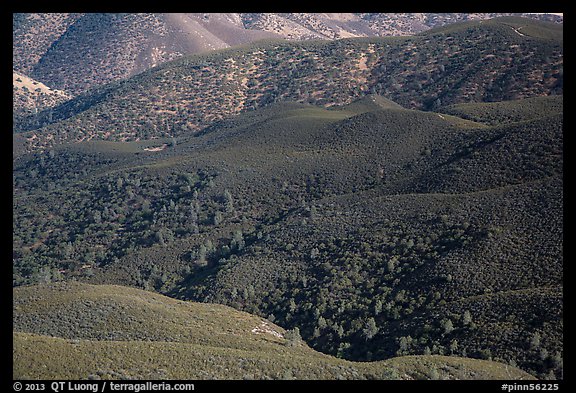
(166, 102)
(67, 45)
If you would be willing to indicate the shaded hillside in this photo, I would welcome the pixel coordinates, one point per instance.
(189, 94)
(376, 230)
(408, 261)
(78, 331)
(33, 35)
(101, 48)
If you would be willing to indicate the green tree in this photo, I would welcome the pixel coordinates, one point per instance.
(202, 256)
(543, 354)
(392, 263)
(44, 275)
(342, 350)
(403, 345)
(447, 326)
(160, 238)
(322, 323)
(293, 337)
(535, 341)
(453, 346)
(228, 201)
(217, 219)
(433, 373)
(378, 307)
(370, 329)
(238, 241)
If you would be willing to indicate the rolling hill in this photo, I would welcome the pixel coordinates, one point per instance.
(378, 231)
(508, 111)
(77, 331)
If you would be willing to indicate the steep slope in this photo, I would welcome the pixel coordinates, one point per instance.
(100, 48)
(303, 26)
(189, 94)
(117, 332)
(33, 35)
(75, 52)
(345, 25)
(30, 96)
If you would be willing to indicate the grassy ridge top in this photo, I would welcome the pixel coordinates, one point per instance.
(78, 311)
(509, 25)
(506, 112)
(225, 344)
(43, 357)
